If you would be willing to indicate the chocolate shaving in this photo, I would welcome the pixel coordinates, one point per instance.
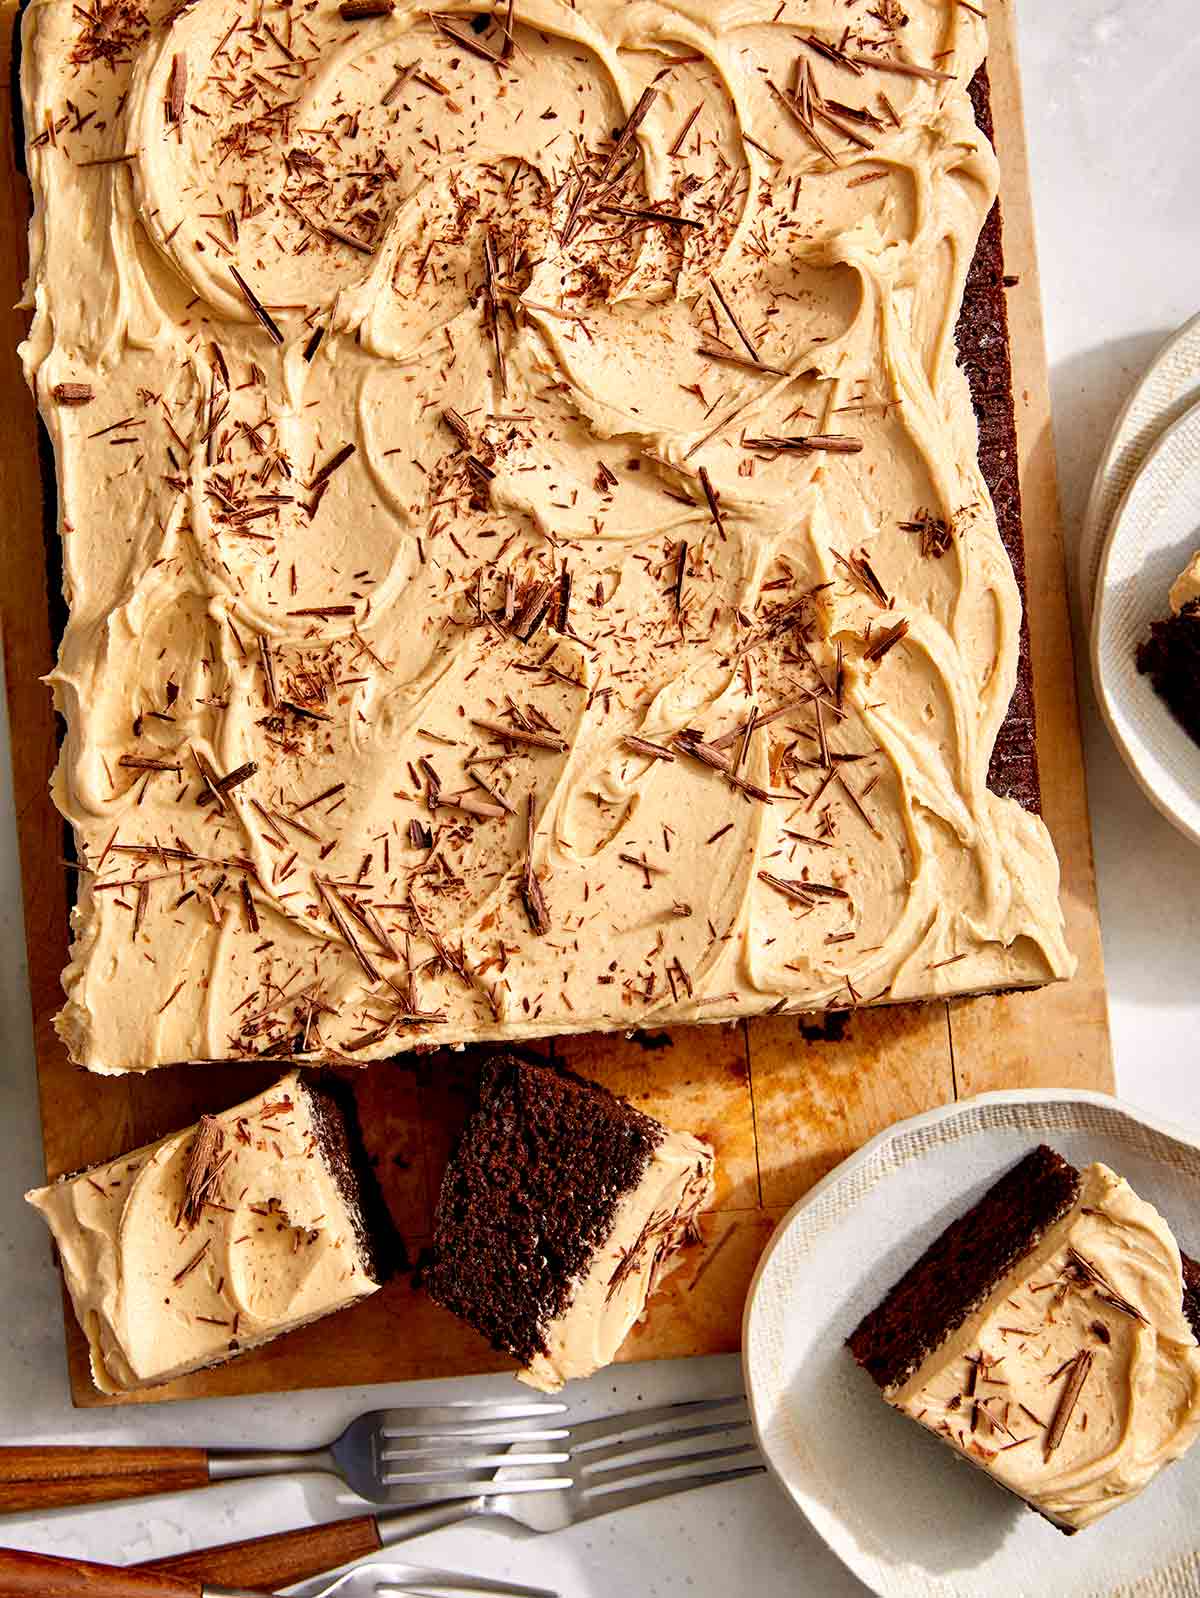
(148, 763)
(885, 640)
(737, 326)
(532, 894)
(177, 90)
(248, 906)
(641, 214)
(520, 735)
(331, 465)
(268, 666)
(252, 300)
(358, 10)
(643, 746)
(681, 559)
(710, 495)
(200, 1174)
(829, 443)
(73, 393)
(714, 350)
(860, 570)
(181, 1276)
(690, 743)
(632, 123)
(1080, 1367)
(238, 776)
(207, 776)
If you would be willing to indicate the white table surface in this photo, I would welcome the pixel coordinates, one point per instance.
(1113, 116)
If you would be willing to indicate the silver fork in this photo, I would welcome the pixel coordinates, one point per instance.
(472, 1435)
(413, 1581)
(612, 1464)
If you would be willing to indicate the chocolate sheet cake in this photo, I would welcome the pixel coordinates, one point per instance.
(560, 1211)
(696, 505)
(1049, 1336)
(220, 1238)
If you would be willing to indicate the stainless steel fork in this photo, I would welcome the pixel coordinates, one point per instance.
(611, 1464)
(373, 1450)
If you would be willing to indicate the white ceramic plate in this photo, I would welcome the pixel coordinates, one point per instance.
(1169, 388)
(906, 1515)
(1155, 534)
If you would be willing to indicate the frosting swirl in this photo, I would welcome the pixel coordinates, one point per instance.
(439, 387)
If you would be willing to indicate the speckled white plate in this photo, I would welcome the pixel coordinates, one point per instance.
(907, 1516)
(1169, 388)
(1154, 535)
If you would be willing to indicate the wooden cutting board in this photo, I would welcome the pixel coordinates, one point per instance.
(783, 1100)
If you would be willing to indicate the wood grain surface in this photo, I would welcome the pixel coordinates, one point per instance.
(783, 1100)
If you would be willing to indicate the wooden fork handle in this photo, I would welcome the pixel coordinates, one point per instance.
(25, 1575)
(276, 1561)
(47, 1478)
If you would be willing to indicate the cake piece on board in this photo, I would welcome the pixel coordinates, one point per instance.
(219, 1238)
(560, 1212)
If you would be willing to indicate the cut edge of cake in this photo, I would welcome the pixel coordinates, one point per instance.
(561, 1209)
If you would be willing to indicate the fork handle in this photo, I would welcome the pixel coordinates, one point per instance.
(280, 1559)
(25, 1575)
(290, 1556)
(39, 1478)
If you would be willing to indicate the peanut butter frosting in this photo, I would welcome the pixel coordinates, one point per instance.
(528, 564)
(1186, 586)
(650, 1224)
(209, 1243)
(1079, 1378)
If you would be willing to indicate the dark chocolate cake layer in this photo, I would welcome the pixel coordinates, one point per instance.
(1170, 657)
(340, 1140)
(985, 355)
(962, 1266)
(529, 1195)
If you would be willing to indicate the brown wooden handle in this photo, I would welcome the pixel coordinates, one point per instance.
(25, 1575)
(47, 1478)
(280, 1560)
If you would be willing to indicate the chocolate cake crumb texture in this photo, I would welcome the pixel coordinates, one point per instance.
(529, 1196)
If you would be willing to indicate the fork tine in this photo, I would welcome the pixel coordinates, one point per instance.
(670, 1469)
(662, 1422)
(430, 1442)
(421, 1417)
(409, 1494)
(427, 1467)
(608, 1503)
(652, 1450)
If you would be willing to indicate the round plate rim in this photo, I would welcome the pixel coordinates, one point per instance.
(1092, 537)
(1189, 421)
(926, 1118)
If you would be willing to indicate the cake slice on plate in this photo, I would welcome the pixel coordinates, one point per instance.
(219, 1238)
(1049, 1336)
(560, 1212)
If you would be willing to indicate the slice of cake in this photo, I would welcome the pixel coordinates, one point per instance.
(1049, 1336)
(1170, 657)
(560, 1212)
(219, 1238)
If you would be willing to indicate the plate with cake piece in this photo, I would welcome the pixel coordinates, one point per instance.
(1146, 626)
(1000, 1288)
(1169, 388)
